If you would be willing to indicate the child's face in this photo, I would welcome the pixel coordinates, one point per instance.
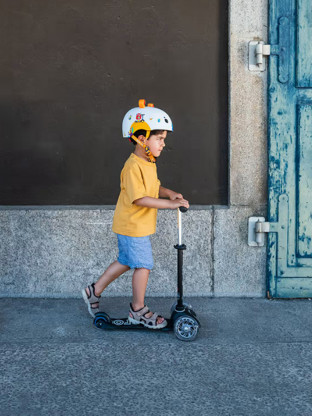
(156, 143)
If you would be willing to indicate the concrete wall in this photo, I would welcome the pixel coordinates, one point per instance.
(54, 252)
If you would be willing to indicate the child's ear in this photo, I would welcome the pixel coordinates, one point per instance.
(142, 138)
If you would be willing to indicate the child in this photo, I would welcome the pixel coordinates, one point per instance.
(136, 211)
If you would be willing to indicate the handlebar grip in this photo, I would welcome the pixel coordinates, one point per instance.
(183, 209)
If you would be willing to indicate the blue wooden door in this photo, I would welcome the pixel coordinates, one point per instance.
(290, 149)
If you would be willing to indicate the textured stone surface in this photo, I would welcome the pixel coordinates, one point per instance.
(51, 253)
(239, 270)
(248, 143)
(55, 253)
(251, 357)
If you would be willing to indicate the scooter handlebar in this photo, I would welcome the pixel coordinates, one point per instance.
(183, 209)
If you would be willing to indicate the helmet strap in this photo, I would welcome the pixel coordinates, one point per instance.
(145, 147)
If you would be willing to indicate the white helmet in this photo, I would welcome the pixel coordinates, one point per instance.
(145, 118)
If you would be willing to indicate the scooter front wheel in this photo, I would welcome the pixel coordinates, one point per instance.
(186, 328)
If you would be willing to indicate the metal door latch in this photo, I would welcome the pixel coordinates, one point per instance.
(257, 50)
(257, 226)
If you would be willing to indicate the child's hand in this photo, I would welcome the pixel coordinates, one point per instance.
(174, 195)
(176, 203)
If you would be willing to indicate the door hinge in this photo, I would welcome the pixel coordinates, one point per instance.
(257, 50)
(257, 227)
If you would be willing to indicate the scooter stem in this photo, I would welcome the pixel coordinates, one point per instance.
(180, 247)
(180, 227)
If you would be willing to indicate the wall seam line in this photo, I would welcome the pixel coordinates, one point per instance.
(212, 252)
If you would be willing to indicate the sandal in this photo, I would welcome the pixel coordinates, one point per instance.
(91, 299)
(139, 317)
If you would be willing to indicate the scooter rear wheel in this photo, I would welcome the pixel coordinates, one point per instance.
(186, 328)
(101, 319)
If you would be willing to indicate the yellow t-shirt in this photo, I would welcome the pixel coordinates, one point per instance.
(138, 178)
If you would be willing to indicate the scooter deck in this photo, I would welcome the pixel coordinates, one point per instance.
(102, 322)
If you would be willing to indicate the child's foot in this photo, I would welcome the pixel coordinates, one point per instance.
(91, 299)
(147, 318)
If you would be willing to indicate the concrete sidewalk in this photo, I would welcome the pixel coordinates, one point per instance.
(252, 357)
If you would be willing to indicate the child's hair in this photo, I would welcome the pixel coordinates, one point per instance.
(143, 132)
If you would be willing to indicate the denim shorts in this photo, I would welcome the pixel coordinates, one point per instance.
(135, 252)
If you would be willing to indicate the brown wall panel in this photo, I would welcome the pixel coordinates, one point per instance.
(71, 69)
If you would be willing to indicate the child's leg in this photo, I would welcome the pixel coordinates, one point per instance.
(139, 283)
(111, 273)
(91, 293)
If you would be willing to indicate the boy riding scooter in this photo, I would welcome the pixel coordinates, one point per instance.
(136, 212)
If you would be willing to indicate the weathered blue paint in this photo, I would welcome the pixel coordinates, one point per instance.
(304, 50)
(304, 182)
(290, 149)
(281, 49)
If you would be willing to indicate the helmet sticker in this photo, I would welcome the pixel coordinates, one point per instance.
(139, 117)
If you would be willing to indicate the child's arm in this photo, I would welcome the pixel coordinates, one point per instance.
(168, 193)
(149, 202)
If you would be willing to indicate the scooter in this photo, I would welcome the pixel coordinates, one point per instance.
(183, 320)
